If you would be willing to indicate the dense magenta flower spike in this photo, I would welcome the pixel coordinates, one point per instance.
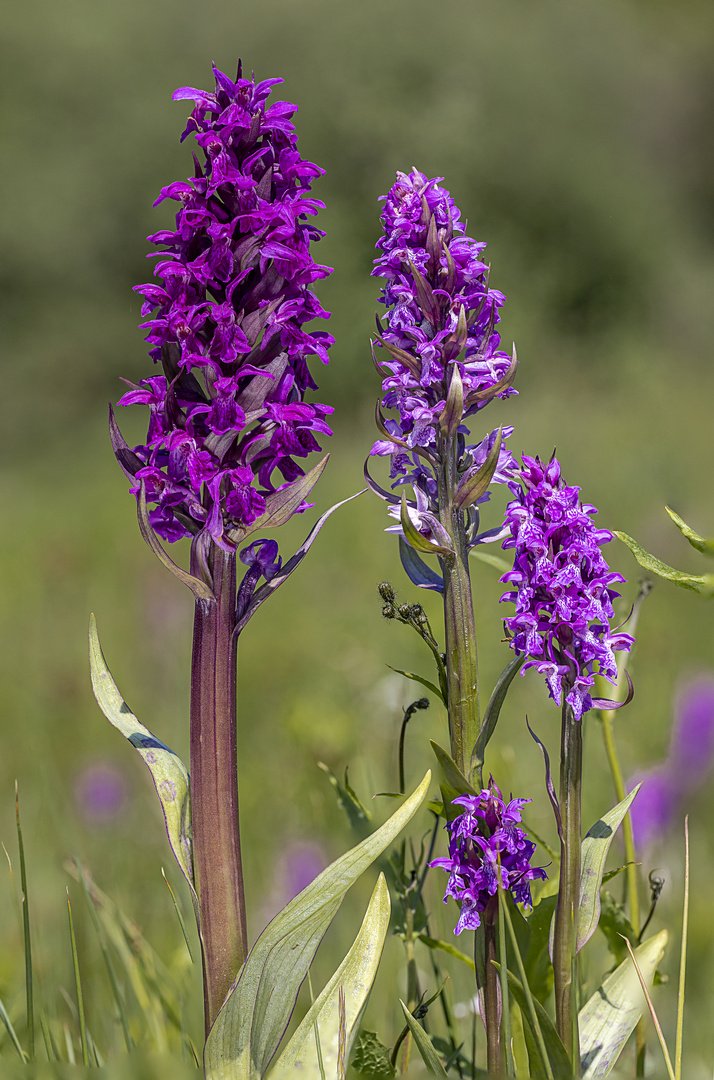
(226, 321)
(441, 314)
(486, 846)
(562, 586)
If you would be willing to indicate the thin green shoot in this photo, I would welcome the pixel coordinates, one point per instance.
(682, 959)
(503, 976)
(29, 992)
(128, 1041)
(78, 987)
(50, 1048)
(69, 1045)
(653, 1014)
(182, 924)
(318, 1046)
(11, 1032)
(529, 997)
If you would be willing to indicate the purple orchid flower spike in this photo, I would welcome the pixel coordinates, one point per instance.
(562, 586)
(229, 429)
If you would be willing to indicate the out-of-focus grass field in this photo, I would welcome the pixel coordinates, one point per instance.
(577, 141)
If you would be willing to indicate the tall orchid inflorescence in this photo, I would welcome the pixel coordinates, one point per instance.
(562, 586)
(228, 420)
(487, 848)
(440, 363)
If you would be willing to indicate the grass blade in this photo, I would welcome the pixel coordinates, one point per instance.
(11, 1031)
(530, 1004)
(682, 959)
(26, 936)
(653, 1014)
(128, 1041)
(78, 987)
(503, 974)
(182, 924)
(50, 1048)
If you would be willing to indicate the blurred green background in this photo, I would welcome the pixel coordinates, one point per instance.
(576, 138)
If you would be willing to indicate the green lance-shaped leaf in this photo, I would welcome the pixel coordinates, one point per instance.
(246, 1033)
(558, 1060)
(452, 774)
(608, 1019)
(475, 482)
(493, 711)
(355, 975)
(703, 584)
(594, 849)
(416, 539)
(281, 505)
(697, 541)
(168, 772)
(423, 1044)
(450, 417)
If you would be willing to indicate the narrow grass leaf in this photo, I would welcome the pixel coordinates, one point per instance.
(355, 976)
(78, 987)
(682, 959)
(179, 916)
(653, 1013)
(168, 772)
(594, 850)
(29, 993)
(118, 997)
(251, 1023)
(11, 1032)
(423, 1044)
(608, 1019)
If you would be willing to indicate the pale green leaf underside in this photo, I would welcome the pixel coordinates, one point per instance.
(355, 975)
(168, 772)
(251, 1023)
(610, 1016)
(594, 849)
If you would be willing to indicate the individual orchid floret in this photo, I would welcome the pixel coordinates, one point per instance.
(487, 847)
(561, 586)
(228, 423)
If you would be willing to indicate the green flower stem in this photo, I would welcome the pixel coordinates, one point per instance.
(214, 786)
(491, 989)
(564, 960)
(461, 655)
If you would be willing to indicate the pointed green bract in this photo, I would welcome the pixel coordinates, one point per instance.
(594, 849)
(168, 772)
(249, 1027)
(355, 975)
(610, 1016)
(452, 774)
(697, 541)
(702, 584)
(423, 1044)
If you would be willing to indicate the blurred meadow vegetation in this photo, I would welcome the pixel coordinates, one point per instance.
(576, 138)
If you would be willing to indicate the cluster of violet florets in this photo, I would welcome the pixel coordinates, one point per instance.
(226, 322)
(487, 848)
(441, 314)
(562, 592)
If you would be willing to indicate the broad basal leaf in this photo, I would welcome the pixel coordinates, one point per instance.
(595, 846)
(611, 1014)
(355, 975)
(256, 1012)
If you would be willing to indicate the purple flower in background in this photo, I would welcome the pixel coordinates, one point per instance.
(562, 586)
(100, 792)
(439, 353)
(486, 846)
(665, 788)
(228, 422)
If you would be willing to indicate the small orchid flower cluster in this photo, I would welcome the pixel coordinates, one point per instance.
(226, 324)
(487, 847)
(563, 592)
(443, 360)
